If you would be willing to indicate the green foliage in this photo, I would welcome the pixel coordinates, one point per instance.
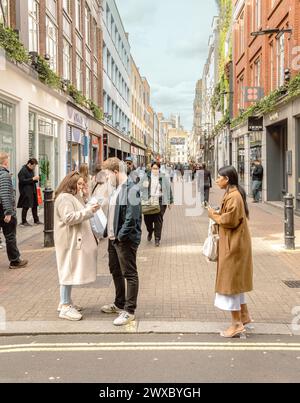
(9, 41)
(78, 96)
(97, 112)
(46, 75)
(269, 103)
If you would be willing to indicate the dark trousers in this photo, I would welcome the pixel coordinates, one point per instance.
(10, 234)
(34, 214)
(154, 223)
(122, 265)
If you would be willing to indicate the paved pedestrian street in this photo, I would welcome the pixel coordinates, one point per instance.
(176, 282)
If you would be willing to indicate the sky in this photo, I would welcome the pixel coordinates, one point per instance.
(169, 43)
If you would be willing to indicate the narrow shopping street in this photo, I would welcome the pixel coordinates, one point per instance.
(176, 282)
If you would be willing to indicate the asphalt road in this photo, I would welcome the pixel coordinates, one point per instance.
(149, 358)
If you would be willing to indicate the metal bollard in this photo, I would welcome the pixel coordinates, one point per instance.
(48, 218)
(289, 228)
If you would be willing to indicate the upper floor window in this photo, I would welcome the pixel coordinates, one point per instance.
(280, 60)
(52, 8)
(4, 12)
(257, 73)
(51, 43)
(78, 14)
(33, 25)
(67, 6)
(257, 14)
(242, 33)
(87, 23)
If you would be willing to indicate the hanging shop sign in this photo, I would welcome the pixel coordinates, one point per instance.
(255, 124)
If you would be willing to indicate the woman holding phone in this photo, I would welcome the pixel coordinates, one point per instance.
(235, 268)
(75, 244)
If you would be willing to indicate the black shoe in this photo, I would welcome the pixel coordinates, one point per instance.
(25, 224)
(149, 237)
(157, 243)
(18, 265)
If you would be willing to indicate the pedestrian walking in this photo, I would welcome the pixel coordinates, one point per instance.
(124, 236)
(28, 192)
(75, 244)
(8, 218)
(235, 268)
(257, 180)
(204, 183)
(157, 190)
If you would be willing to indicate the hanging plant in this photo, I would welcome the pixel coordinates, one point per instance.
(46, 75)
(10, 42)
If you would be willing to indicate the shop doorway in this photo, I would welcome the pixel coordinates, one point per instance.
(298, 165)
(277, 145)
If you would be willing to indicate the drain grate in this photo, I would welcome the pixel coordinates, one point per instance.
(101, 282)
(292, 284)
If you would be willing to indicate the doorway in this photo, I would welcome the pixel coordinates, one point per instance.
(277, 146)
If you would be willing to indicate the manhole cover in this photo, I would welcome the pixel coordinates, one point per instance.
(292, 284)
(101, 282)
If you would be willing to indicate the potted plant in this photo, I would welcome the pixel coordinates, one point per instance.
(45, 173)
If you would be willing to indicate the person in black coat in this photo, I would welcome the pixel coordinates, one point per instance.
(28, 193)
(206, 177)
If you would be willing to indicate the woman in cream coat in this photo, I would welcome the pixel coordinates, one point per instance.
(75, 244)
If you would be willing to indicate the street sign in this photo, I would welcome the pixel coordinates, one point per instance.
(253, 94)
(255, 124)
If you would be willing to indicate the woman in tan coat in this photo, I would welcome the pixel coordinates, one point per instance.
(75, 244)
(235, 268)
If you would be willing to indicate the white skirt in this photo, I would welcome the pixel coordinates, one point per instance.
(230, 302)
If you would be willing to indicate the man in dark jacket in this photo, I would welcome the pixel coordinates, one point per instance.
(28, 193)
(8, 220)
(257, 180)
(204, 183)
(124, 234)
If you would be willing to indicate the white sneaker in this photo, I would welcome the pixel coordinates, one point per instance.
(111, 308)
(123, 319)
(70, 313)
(77, 307)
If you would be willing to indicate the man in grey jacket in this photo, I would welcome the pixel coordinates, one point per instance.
(8, 220)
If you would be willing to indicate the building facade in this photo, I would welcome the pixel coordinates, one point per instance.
(116, 83)
(266, 62)
(37, 120)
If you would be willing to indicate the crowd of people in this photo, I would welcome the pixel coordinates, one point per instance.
(125, 193)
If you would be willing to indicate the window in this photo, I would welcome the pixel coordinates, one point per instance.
(104, 54)
(95, 90)
(67, 61)
(52, 8)
(79, 73)
(95, 39)
(257, 15)
(67, 27)
(4, 12)
(280, 60)
(78, 14)
(88, 84)
(257, 73)
(33, 25)
(51, 43)
(242, 33)
(67, 6)
(87, 24)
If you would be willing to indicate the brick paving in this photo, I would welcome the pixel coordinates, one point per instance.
(176, 282)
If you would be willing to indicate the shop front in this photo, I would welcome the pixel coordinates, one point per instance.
(95, 144)
(115, 146)
(8, 132)
(43, 145)
(77, 139)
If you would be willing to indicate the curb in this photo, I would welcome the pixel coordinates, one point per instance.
(136, 327)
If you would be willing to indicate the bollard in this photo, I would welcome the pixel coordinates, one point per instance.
(289, 229)
(48, 218)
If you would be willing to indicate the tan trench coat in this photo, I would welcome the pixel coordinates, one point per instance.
(75, 244)
(235, 268)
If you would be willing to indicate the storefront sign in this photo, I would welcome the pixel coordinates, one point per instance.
(77, 118)
(255, 124)
(274, 116)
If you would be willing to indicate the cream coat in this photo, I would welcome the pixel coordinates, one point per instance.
(76, 247)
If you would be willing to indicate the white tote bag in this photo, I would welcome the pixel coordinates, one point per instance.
(211, 245)
(98, 221)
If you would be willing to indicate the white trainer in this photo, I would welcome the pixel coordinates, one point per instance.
(77, 307)
(70, 313)
(111, 308)
(123, 319)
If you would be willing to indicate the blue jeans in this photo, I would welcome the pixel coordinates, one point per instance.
(65, 294)
(256, 190)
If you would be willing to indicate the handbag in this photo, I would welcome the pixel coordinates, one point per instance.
(98, 223)
(149, 207)
(39, 196)
(211, 245)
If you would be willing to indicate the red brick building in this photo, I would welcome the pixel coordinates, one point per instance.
(265, 61)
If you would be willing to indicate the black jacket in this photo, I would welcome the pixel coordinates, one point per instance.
(27, 188)
(7, 194)
(258, 173)
(128, 214)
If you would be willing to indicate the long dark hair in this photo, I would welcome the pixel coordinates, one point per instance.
(233, 177)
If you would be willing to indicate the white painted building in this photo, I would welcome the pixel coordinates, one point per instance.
(116, 81)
